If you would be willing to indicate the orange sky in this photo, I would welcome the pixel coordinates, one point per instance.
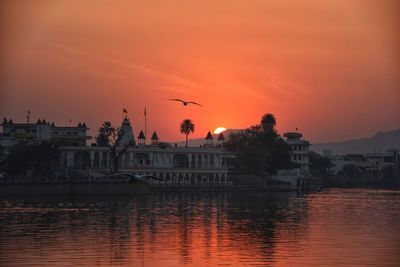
(330, 68)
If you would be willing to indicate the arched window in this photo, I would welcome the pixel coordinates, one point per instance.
(142, 159)
(96, 160)
(82, 160)
(181, 161)
(212, 161)
(193, 161)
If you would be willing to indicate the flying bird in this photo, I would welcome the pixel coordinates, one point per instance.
(185, 103)
(141, 178)
(134, 178)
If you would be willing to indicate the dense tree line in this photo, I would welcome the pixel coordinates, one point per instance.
(37, 159)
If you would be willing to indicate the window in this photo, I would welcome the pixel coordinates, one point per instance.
(180, 161)
(142, 159)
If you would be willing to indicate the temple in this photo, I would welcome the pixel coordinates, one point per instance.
(172, 166)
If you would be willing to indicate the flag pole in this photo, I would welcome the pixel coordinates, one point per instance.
(145, 125)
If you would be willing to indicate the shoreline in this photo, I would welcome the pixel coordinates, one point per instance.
(71, 189)
(119, 188)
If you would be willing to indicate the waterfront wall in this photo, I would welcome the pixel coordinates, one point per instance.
(268, 183)
(69, 189)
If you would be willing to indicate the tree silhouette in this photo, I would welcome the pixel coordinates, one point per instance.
(113, 139)
(259, 149)
(187, 127)
(319, 165)
(268, 122)
(37, 159)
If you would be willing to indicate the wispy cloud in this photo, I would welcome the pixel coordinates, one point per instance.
(171, 81)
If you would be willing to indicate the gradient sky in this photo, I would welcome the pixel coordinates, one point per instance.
(330, 68)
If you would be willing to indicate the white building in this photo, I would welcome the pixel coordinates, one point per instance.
(376, 161)
(380, 160)
(14, 133)
(300, 148)
(173, 166)
(338, 162)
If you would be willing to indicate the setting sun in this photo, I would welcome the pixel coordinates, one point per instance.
(219, 130)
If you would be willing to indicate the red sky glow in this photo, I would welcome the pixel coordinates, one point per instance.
(330, 68)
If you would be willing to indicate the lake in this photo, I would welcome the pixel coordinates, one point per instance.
(335, 227)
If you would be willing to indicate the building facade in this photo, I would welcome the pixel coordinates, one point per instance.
(208, 164)
(14, 133)
(170, 165)
(370, 163)
(300, 149)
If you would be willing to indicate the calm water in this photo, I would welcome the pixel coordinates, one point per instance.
(331, 228)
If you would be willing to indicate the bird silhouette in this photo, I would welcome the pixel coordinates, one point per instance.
(134, 178)
(185, 103)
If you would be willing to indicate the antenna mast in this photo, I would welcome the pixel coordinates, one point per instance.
(28, 117)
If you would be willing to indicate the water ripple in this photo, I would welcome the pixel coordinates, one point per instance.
(332, 228)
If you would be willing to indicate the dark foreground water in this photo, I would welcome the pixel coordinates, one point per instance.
(332, 228)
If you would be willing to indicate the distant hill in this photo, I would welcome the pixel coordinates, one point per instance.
(196, 142)
(381, 141)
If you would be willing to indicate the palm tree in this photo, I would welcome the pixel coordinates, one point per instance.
(187, 127)
(105, 135)
(268, 122)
